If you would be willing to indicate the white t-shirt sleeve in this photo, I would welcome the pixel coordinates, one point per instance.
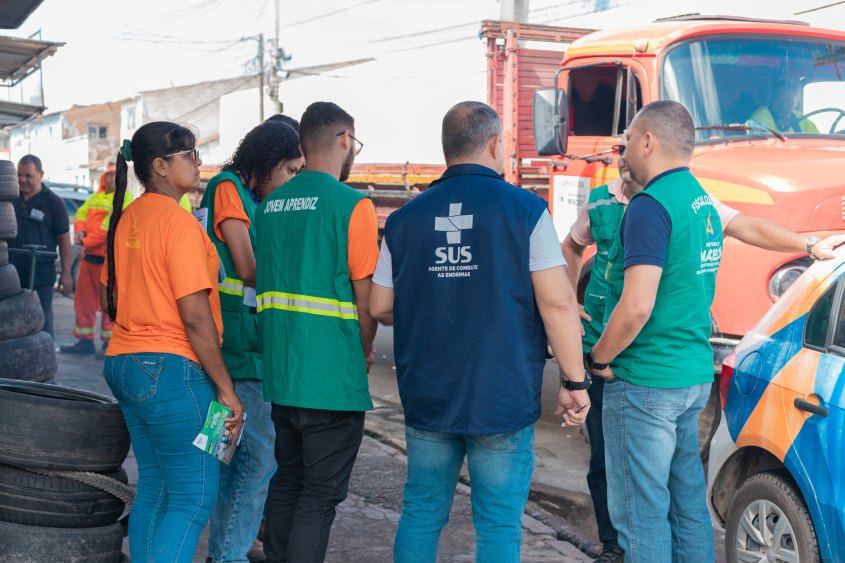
(545, 251)
(384, 267)
(726, 214)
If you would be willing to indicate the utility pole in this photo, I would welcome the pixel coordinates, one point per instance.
(513, 10)
(261, 78)
(277, 66)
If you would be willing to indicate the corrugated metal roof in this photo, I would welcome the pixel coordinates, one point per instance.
(20, 57)
(13, 112)
(14, 12)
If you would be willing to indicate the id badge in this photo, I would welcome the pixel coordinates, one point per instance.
(37, 215)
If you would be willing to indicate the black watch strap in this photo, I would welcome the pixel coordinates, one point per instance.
(579, 385)
(591, 363)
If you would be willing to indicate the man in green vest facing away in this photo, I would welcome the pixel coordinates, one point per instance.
(654, 353)
(317, 250)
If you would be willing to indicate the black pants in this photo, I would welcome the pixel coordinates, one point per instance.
(45, 295)
(596, 477)
(315, 450)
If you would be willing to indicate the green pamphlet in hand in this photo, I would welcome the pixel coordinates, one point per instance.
(214, 439)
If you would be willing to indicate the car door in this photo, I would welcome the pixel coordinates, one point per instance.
(813, 385)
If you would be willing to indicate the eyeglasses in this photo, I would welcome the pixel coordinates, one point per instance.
(194, 154)
(359, 144)
(618, 149)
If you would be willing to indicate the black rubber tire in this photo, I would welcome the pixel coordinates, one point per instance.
(29, 358)
(8, 223)
(60, 428)
(8, 167)
(9, 190)
(780, 489)
(54, 502)
(21, 315)
(33, 544)
(4, 253)
(10, 282)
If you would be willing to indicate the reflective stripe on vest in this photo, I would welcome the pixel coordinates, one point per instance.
(232, 286)
(307, 304)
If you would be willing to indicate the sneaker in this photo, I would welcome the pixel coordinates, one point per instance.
(101, 353)
(81, 347)
(611, 555)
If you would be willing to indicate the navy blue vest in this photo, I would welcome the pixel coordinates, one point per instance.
(468, 339)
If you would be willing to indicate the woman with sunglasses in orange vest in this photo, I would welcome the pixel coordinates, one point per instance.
(163, 363)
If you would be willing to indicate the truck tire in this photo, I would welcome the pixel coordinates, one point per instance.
(8, 167)
(8, 223)
(20, 315)
(4, 253)
(33, 544)
(10, 282)
(35, 429)
(777, 493)
(29, 358)
(55, 502)
(9, 190)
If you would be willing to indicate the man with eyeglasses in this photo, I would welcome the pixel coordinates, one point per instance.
(598, 223)
(317, 250)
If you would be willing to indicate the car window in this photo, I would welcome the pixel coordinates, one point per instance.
(71, 206)
(815, 333)
(839, 336)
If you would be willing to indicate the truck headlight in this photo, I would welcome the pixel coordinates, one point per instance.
(785, 276)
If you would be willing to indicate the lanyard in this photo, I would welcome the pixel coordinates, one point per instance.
(248, 189)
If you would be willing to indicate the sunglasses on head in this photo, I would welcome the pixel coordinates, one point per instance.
(618, 149)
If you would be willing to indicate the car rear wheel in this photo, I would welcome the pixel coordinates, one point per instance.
(769, 521)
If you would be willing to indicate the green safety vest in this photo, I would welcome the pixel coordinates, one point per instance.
(605, 217)
(307, 319)
(240, 326)
(673, 348)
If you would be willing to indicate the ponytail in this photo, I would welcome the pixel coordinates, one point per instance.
(120, 181)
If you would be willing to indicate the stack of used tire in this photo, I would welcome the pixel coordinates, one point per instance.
(62, 488)
(26, 353)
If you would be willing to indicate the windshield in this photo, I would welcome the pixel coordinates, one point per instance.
(795, 87)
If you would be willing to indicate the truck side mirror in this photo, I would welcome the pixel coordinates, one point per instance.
(550, 116)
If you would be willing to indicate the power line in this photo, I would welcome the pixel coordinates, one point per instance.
(819, 8)
(417, 34)
(328, 14)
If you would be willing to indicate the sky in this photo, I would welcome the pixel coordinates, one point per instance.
(427, 52)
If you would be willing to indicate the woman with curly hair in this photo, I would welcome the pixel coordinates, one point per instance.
(265, 159)
(163, 363)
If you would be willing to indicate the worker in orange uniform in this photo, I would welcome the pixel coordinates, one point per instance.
(91, 227)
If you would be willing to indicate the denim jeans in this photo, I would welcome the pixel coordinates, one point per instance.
(500, 468)
(243, 483)
(315, 452)
(165, 399)
(655, 479)
(596, 478)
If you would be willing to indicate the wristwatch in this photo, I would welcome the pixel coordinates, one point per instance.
(591, 364)
(811, 242)
(577, 386)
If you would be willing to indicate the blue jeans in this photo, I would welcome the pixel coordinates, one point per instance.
(655, 479)
(596, 478)
(243, 483)
(500, 468)
(165, 399)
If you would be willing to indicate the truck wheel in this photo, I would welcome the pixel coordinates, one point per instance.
(33, 544)
(708, 422)
(20, 315)
(768, 520)
(37, 500)
(28, 358)
(10, 282)
(35, 429)
(8, 223)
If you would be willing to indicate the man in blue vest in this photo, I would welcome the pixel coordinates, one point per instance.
(473, 275)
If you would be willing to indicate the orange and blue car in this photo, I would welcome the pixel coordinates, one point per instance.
(776, 476)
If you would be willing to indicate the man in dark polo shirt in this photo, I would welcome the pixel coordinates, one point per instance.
(42, 220)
